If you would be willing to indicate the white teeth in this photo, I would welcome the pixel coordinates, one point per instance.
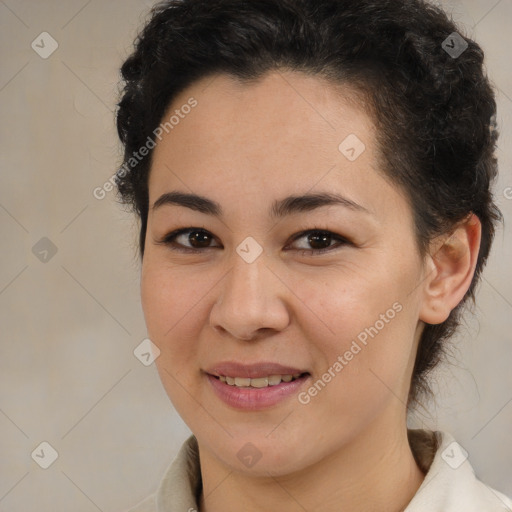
(261, 382)
(274, 380)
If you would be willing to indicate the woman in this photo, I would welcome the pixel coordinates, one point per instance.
(313, 183)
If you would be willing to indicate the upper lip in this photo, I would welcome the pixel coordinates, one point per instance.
(253, 370)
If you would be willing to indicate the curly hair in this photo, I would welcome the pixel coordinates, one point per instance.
(434, 111)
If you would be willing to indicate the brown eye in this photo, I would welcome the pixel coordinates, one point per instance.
(201, 238)
(188, 239)
(320, 241)
(194, 240)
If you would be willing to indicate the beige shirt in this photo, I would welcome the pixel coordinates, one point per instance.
(450, 484)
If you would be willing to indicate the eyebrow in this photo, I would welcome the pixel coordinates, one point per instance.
(280, 208)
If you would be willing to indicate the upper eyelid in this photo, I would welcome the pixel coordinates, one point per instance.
(316, 230)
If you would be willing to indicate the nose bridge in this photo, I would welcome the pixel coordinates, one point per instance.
(245, 284)
(249, 297)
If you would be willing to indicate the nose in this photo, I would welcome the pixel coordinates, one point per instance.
(251, 301)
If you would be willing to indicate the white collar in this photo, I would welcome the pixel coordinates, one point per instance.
(451, 485)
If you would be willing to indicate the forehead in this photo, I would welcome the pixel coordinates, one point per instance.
(284, 133)
(280, 111)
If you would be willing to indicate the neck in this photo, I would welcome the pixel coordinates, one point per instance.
(376, 467)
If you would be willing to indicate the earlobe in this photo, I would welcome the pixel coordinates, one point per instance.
(450, 268)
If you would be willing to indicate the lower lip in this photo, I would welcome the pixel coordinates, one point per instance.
(254, 399)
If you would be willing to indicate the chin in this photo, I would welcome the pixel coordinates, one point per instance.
(256, 453)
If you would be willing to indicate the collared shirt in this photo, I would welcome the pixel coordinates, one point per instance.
(450, 484)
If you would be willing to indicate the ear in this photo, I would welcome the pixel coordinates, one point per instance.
(450, 266)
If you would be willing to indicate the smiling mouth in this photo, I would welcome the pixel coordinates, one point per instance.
(260, 382)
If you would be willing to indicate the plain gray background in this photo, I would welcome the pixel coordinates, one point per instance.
(69, 321)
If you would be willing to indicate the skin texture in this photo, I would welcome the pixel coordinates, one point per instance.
(245, 146)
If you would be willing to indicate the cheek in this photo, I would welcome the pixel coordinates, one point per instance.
(168, 297)
(173, 303)
(346, 301)
(368, 319)
(168, 300)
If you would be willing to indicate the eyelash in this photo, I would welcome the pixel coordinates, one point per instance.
(168, 240)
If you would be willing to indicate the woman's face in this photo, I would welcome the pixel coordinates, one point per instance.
(257, 293)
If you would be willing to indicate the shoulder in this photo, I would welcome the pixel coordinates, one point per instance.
(180, 485)
(450, 483)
